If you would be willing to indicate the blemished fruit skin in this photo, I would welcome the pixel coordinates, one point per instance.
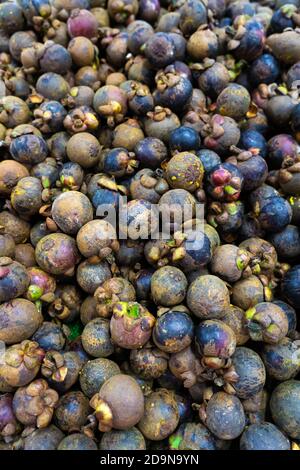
(149, 225)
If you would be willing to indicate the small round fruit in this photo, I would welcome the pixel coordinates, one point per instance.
(119, 403)
(77, 441)
(96, 339)
(57, 253)
(173, 331)
(161, 415)
(131, 325)
(19, 319)
(225, 416)
(264, 436)
(71, 210)
(285, 407)
(168, 286)
(208, 297)
(128, 439)
(94, 373)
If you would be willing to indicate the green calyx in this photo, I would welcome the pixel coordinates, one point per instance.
(75, 330)
(242, 260)
(128, 310)
(288, 10)
(34, 292)
(46, 182)
(230, 190)
(175, 442)
(256, 269)
(232, 209)
(133, 311)
(250, 313)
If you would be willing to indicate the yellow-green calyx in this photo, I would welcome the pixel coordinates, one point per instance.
(34, 292)
(131, 310)
(175, 442)
(250, 313)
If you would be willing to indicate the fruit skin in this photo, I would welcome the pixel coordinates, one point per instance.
(14, 279)
(7, 246)
(285, 46)
(263, 436)
(28, 149)
(233, 101)
(252, 139)
(250, 371)
(71, 412)
(95, 373)
(248, 292)
(184, 139)
(161, 415)
(267, 322)
(235, 318)
(251, 44)
(49, 336)
(44, 439)
(150, 152)
(8, 422)
(109, 403)
(11, 172)
(192, 436)
(128, 439)
(287, 242)
(224, 416)
(192, 14)
(285, 410)
(160, 50)
(90, 275)
(209, 159)
(26, 197)
(202, 44)
(77, 441)
(82, 23)
(291, 286)
(19, 319)
(57, 253)
(11, 17)
(184, 171)
(131, 325)
(71, 210)
(282, 360)
(265, 69)
(172, 95)
(229, 262)
(281, 147)
(221, 133)
(96, 339)
(148, 362)
(168, 286)
(173, 331)
(215, 342)
(253, 168)
(291, 316)
(52, 86)
(214, 79)
(208, 297)
(83, 148)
